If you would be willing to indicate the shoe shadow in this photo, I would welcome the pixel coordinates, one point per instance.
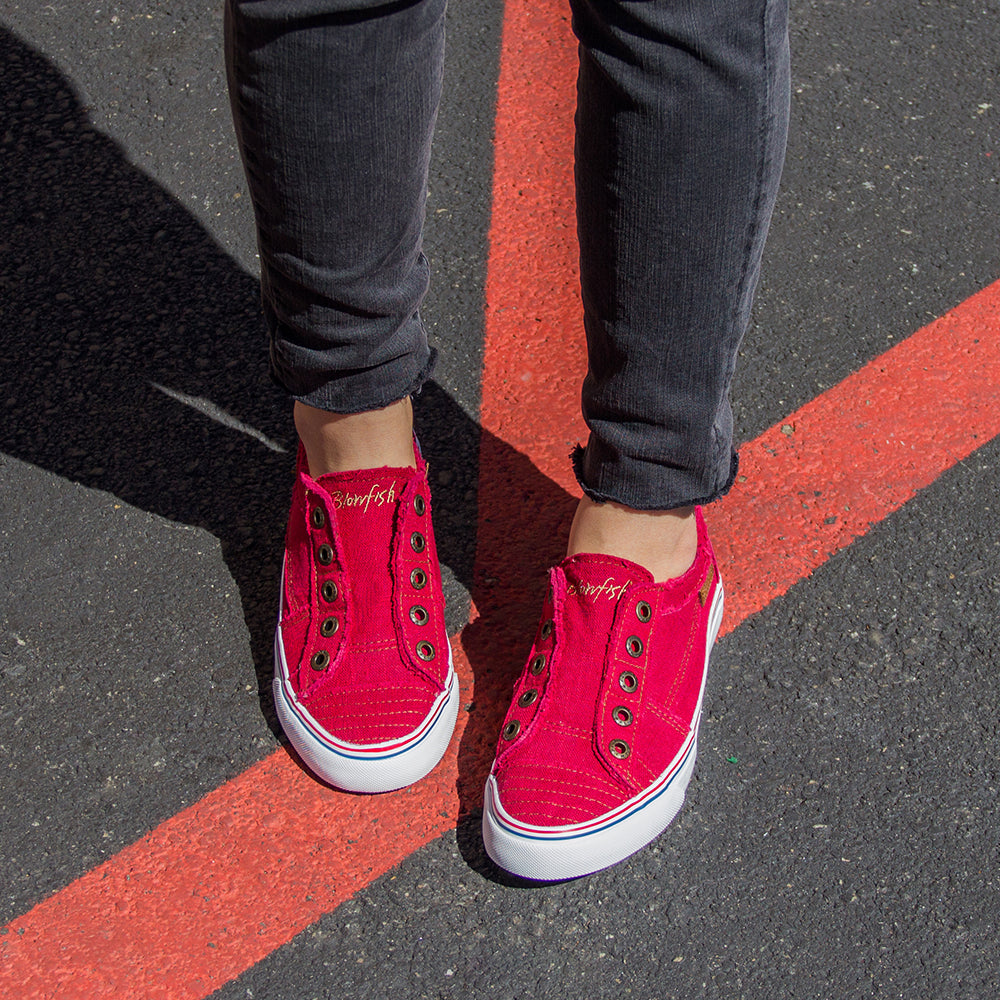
(131, 344)
(134, 362)
(134, 359)
(523, 523)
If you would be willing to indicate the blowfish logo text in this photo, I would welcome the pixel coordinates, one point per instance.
(377, 495)
(609, 589)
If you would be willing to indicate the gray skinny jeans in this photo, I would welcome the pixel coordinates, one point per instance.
(682, 111)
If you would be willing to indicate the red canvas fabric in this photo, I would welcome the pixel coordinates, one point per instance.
(362, 600)
(618, 663)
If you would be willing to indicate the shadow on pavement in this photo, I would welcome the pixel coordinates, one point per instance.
(134, 362)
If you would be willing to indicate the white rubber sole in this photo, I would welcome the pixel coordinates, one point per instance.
(376, 767)
(553, 853)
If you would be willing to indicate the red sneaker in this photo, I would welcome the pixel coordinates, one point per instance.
(364, 684)
(598, 746)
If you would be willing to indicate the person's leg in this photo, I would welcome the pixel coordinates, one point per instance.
(680, 138)
(334, 103)
(681, 123)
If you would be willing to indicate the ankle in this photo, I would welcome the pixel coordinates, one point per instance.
(342, 442)
(662, 541)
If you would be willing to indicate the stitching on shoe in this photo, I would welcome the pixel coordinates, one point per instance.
(568, 729)
(569, 769)
(638, 765)
(418, 694)
(685, 661)
(538, 794)
(350, 723)
(399, 698)
(542, 797)
(552, 607)
(405, 521)
(294, 617)
(372, 647)
(553, 777)
(668, 719)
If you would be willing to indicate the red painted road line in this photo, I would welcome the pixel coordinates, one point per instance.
(222, 884)
(534, 351)
(822, 477)
(219, 886)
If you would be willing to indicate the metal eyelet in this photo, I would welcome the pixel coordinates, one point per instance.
(320, 660)
(329, 591)
(528, 697)
(619, 749)
(621, 715)
(643, 611)
(318, 517)
(425, 651)
(511, 729)
(325, 555)
(547, 628)
(628, 682)
(419, 505)
(634, 646)
(537, 664)
(329, 627)
(418, 615)
(418, 579)
(417, 542)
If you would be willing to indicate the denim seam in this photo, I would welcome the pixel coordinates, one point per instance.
(755, 223)
(391, 395)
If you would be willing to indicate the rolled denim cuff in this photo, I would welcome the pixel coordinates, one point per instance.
(607, 475)
(356, 390)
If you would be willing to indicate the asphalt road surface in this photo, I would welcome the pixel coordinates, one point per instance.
(840, 837)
